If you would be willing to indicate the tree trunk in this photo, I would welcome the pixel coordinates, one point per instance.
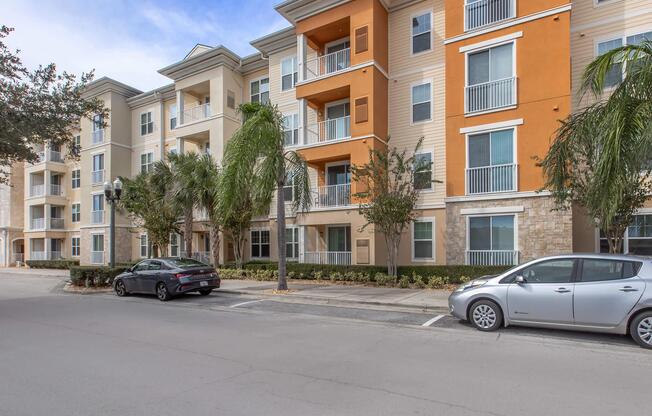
(391, 256)
(215, 244)
(187, 231)
(280, 221)
(238, 247)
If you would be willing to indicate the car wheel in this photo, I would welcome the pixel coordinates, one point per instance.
(162, 292)
(120, 289)
(205, 292)
(486, 315)
(641, 329)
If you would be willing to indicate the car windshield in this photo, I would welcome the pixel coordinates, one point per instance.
(185, 263)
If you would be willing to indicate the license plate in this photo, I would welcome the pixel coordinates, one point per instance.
(203, 283)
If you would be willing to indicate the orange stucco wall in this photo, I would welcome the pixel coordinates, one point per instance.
(544, 85)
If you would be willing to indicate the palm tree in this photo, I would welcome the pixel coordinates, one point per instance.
(600, 157)
(206, 182)
(255, 154)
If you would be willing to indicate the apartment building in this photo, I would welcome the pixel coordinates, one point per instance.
(483, 82)
(12, 244)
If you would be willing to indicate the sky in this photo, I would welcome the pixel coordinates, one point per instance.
(131, 40)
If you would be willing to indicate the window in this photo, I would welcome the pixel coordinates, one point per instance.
(553, 271)
(421, 102)
(260, 91)
(98, 162)
(289, 73)
(491, 82)
(291, 129)
(259, 243)
(98, 202)
(76, 144)
(616, 72)
(174, 245)
(146, 162)
(288, 189)
(98, 242)
(76, 212)
(230, 99)
(423, 171)
(173, 116)
(491, 162)
(76, 179)
(75, 246)
(596, 270)
(154, 265)
(421, 33)
(423, 240)
(292, 243)
(638, 237)
(146, 123)
(98, 122)
(144, 246)
(491, 64)
(491, 240)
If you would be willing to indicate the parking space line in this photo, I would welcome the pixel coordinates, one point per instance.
(247, 303)
(433, 320)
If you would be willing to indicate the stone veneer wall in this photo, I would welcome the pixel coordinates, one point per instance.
(123, 241)
(541, 230)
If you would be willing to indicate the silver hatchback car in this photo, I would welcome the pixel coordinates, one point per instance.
(587, 292)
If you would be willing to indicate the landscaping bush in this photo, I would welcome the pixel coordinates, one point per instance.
(52, 264)
(94, 276)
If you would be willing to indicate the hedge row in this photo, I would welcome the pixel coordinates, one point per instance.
(94, 276)
(52, 264)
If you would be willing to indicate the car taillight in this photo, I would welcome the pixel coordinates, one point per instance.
(181, 275)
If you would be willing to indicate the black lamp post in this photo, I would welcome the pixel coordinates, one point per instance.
(112, 194)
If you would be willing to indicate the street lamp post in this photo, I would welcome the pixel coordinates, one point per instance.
(112, 194)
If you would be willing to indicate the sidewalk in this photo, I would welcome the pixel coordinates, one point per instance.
(426, 299)
(8, 271)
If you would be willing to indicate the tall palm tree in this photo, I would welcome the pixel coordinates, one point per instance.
(600, 157)
(206, 181)
(256, 150)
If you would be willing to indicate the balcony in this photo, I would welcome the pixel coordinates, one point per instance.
(331, 63)
(17, 257)
(56, 190)
(491, 95)
(491, 179)
(56, 224)
(55, 156)
(329, 130)
(327, 257)
(196, 113)
(481, 13)
(97, 136)
(38, 255)
(37, 190)
(97, 217)
(333, 196)
(491, 257)
(97, 257)
(97, 177)
(37, 224)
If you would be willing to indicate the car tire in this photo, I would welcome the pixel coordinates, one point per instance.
(205, 292)
(640, 329)
(485, 315)
(120, 289)
(162, 292)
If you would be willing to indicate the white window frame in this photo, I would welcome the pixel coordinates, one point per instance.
(149, 123)
(294, 128)
(93, 195)
(412, 35)
(432, 259)
(412, 103)
(251, 95)
(251, 243)
(623, 37)
(489, 131)
(93, 235)
(598, 3)
(176, 116)
(295, 73)
(148, 165)
(72, 246)
(72, 212)
(494, 214)
(295, 230)
(177, 245)
(431, 152)
(75, 180)
(642, 211)
(145, 237)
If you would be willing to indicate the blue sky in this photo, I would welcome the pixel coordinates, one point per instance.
(131, 40)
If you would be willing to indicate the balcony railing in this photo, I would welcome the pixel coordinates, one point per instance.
(333, 196)
(328, 64)
(37, 224)
(490, 179)
(55, 156)
(97, 177)
(56, 223)
(486, 12)
(491, 95)
(97, 136)
(491, 257)
(327, 257)
(37, 190)
(97, 257)
(201, 256)
(329, 130)
(41, 156)
(200, 215)
(56, 190)
(196, 113)
(37, 255)
(56, 255)
(17, 257)
(97, 217)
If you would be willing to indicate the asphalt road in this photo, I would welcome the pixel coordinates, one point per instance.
(225, 354)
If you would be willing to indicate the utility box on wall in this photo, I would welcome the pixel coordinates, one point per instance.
(362, 251)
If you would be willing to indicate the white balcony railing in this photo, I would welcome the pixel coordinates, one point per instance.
(41, 156)
(479, 13)
(37, 255)
(55, 156)
(56, 255)
(37, 224)
(491, 95)
(97, 217)
(490, 179)
(329, 130)
(328, 64)
(200, 215)
(491, 257)
(56, 223)
(201, 256)
(97, 136)
(97, 257)
(56, 190)
(37, 190)
(327, 257)
(97, 177)
(196, 113)
(17, 257)
(333, 196)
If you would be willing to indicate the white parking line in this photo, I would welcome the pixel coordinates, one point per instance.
(247, 303)
(433, 320)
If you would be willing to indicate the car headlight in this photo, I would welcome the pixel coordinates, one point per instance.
(471, 285)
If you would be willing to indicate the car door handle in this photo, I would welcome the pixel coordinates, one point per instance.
(628, 289)
(562, 290)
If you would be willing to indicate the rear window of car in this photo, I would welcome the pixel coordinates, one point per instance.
(598, 270)
(183, 263)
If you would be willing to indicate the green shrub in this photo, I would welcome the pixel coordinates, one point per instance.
(52, 264)
(94, 276)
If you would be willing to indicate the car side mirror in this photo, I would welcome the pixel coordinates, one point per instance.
(520, 279)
